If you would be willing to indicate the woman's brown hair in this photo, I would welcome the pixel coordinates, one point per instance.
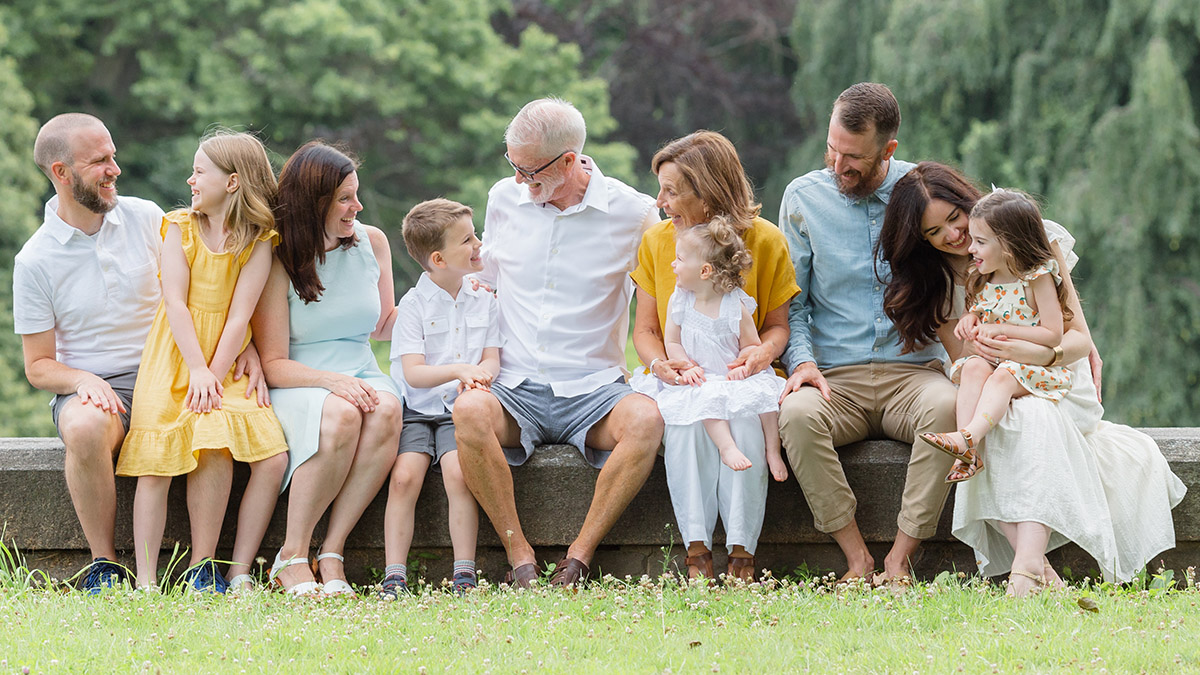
(710, 165)
(917, 298)
(307, 184)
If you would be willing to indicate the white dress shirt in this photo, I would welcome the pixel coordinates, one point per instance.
(99, 293)
(444, 330)
(562, 279)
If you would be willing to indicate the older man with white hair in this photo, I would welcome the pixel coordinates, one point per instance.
(560, 240)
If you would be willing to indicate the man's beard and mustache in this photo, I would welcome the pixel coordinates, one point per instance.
(89, 197)
(863, 185)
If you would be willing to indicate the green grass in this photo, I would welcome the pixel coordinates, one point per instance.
(646, 625)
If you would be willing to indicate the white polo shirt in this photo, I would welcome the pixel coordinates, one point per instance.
(562, 280)
(445, 330)
(99, 293)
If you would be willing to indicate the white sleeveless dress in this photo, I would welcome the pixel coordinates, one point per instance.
(713, 344)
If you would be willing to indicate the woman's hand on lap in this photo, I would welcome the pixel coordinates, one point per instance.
(754, 358)
(355, 391)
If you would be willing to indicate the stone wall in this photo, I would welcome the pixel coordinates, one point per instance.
(553, 492)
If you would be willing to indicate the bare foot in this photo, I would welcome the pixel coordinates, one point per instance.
(778, 467)
(734, 459)
(1022, 583)
(1053, 581)
(331, 568)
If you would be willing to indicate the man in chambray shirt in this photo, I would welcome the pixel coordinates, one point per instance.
(849, 380)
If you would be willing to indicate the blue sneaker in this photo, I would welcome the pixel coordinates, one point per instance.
(205, 578)
(391, 588)
(464, 582)
(103, 574)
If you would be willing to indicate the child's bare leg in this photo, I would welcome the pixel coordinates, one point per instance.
(718, 431)
(998, 392)
(258, 504)
(464, 512)
(149, 519)
(775, 462)
(207, 498)
(408, 475)
(972, 377)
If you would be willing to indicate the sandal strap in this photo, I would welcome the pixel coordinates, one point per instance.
(331, 554)
(1037, 578)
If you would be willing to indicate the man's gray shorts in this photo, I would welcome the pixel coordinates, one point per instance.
(122, 385)
(432, 435)
(545, 418)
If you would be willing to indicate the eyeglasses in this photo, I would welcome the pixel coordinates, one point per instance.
(529, 175)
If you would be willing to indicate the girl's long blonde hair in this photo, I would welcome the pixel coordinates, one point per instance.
(1015, 219)
(250, 214)
(719, 244)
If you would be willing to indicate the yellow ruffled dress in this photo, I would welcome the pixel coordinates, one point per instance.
(165, 438)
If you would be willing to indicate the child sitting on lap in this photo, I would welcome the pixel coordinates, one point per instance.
(446, 339)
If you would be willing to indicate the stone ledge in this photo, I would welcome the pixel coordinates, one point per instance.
(553, 492)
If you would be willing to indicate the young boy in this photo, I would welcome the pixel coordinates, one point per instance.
(446, 339)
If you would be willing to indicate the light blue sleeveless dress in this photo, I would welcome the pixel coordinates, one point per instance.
(331, 334)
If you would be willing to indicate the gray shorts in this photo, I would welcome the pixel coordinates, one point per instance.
(432, 435)
(122, 385)
(545, 418)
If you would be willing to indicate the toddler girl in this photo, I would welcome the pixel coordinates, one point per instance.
(709, 322)
(1013, 289)
(191, 414)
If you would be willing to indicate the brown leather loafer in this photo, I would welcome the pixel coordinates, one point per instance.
(522, 577)
(570, 572)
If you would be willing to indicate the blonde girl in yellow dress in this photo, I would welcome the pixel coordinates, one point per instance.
(192, 415)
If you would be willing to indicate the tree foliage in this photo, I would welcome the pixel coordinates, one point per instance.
(1089, 104)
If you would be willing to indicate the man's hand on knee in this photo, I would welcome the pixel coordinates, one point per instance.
(805, 374)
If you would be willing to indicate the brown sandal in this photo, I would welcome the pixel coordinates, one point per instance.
(522, 577)
(741, 568)
(570, 572)
(942, 442)
(700, 566)
(957, 475)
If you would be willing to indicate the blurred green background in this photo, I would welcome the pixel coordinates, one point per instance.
(1091, 105)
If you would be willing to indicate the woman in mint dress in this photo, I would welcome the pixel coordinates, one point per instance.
(330, 290)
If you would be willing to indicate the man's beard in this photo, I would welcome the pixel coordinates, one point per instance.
(864, 186)
(89, 197)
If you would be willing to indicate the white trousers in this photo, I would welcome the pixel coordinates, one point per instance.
(702, 487)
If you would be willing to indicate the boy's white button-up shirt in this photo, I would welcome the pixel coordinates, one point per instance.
(445, 330)
(562, 281)
(99, 293)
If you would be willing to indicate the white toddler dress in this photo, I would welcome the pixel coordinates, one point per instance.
(713, 344)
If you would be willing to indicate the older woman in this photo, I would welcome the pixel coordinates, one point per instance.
(330, 289)
(1104, 486)
(700, 176)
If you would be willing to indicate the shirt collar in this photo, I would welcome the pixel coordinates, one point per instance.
(429, 290)
(895, 173)
(596, 195)
(62, 231)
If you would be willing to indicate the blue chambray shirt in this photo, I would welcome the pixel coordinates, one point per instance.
(837, 318)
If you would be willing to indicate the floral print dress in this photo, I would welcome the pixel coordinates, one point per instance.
(1009, 304)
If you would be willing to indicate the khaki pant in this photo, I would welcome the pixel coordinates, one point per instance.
(874, 400)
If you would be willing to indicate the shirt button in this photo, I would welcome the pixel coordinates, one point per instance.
(878, 320)
(876, 288)
(550, 285)
(456, 330)
(459, 356)
(542, 348)
(876, 349)
(554, 250)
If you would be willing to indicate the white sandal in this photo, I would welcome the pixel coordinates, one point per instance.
(334, 586)
(241, 583)
(302, 588)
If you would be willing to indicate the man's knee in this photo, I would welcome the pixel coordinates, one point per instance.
(638, 416)
(88, 430)
(476, 416)
(803, 415)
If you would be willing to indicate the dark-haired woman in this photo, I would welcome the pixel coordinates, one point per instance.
(330, 289)
(1104, 486)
